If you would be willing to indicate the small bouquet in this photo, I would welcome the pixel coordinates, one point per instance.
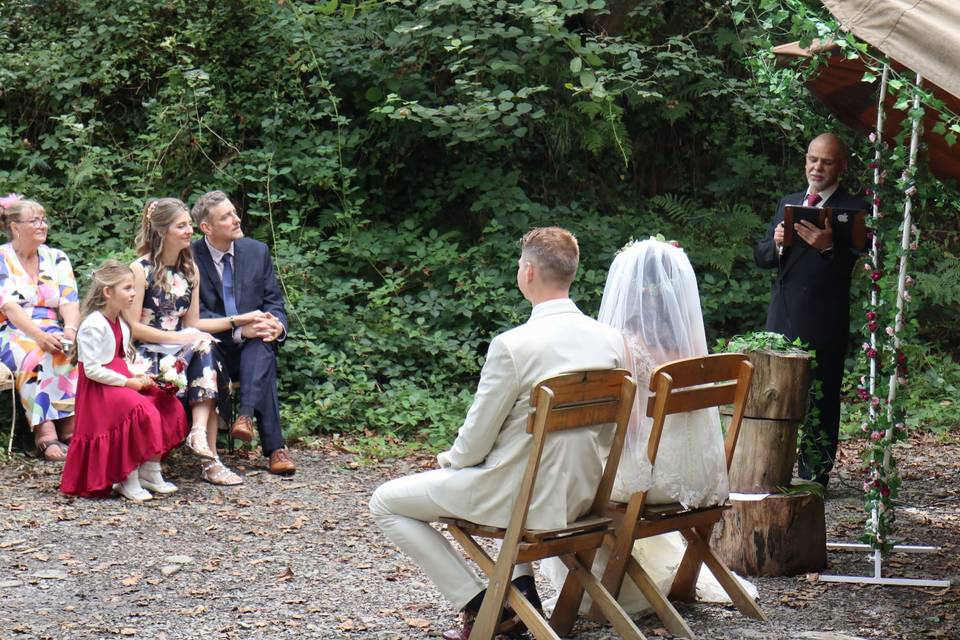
(173, 376)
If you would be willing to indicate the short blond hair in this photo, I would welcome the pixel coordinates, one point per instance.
(555, 253)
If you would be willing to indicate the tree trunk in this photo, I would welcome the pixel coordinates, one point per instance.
(775, 407)
(764, 457)
(781, 384)
(787, 535)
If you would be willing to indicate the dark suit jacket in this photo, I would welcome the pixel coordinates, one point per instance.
(811, 295)
(254, 282)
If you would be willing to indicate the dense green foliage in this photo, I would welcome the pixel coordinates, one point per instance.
(393, 152)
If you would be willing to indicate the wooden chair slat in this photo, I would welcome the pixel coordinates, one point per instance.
(577, 416)
(581, 386)
(582, 541)
(594, 523)
(689, 372)
(684, 400)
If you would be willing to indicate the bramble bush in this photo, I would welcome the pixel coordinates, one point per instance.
(392, 153)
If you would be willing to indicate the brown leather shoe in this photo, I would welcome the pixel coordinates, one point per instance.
(467, 619)
(507, 626)
(281, 464)
(242, 429)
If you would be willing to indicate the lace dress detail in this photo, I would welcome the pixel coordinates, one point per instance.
(691, 466)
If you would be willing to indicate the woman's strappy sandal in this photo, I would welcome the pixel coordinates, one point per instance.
(45, 445)
(215, 472)
(197, 443)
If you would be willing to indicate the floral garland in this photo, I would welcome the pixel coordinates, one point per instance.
(885, 423)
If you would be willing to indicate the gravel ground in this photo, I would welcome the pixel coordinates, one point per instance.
(301, 558)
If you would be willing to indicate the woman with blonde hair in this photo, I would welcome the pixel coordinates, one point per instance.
(124, 423)
(39, 315)
(165, 319)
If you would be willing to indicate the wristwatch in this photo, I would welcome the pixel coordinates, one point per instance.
(233, 324)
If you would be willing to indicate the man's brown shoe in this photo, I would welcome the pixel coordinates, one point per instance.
(281, 464)
(508, 626)
(242, 429)
(467, 619)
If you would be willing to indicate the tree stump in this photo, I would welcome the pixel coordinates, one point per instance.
(763, 460)
(780, 535)
(775, 407)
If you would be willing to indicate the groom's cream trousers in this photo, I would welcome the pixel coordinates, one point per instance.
(403, 509)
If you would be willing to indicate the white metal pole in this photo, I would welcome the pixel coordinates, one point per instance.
(874, 247)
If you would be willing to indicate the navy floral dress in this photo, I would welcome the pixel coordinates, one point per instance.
(164, 308)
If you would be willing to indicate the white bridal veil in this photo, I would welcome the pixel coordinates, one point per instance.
(651, 296)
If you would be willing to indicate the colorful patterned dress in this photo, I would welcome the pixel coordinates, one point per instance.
(47, 382)
(164, 308)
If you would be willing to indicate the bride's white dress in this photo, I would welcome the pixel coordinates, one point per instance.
(651, 296)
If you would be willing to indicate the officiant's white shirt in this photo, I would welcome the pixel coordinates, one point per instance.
(485, 465)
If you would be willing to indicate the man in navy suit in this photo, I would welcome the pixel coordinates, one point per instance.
(236, 277)
(811, 294)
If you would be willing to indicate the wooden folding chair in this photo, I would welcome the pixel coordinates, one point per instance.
(570, 401)
(677, 387)
(7, 381)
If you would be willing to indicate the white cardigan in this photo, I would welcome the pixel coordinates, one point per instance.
(96, 347)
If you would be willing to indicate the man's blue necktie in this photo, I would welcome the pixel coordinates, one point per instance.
(229, 301)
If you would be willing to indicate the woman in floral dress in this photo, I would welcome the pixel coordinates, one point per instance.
(165, 319)
(37, 293)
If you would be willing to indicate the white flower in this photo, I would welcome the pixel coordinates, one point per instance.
(178, 285)
(169, 323)
(208, 380)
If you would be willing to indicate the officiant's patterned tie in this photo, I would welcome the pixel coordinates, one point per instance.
(229, 301)
(812, 199)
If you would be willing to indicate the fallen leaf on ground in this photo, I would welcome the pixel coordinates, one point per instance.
(132, 580)
(417, 623)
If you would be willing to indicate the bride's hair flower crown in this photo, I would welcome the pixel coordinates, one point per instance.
(657, 238)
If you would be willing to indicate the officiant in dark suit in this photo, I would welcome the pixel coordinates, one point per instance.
(810, 299)
(237, 276)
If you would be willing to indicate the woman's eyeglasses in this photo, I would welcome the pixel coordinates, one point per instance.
(34, 222)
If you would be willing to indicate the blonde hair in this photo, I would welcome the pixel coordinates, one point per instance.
(108, 275)
(158, 215)
(554, 251)
(15, 213)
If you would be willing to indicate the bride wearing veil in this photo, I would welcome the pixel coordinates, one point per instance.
(651, 296)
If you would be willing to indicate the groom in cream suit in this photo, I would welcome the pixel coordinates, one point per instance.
(480, 474)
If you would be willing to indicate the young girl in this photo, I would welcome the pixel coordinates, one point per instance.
(124, 423)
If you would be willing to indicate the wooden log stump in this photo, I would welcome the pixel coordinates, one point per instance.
(780, 535)
(764, 457)
(776, 405)
(780, 387)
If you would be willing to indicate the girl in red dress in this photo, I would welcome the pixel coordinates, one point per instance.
(124, 423)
